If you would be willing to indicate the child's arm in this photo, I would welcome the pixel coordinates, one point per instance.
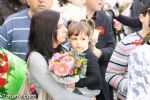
(93, 75)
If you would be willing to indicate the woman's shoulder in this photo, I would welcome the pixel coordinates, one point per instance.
(36, 57)
(34, 54)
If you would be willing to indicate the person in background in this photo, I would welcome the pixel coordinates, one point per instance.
(105, 45)
(15, 30)
(116, 74)
(139, 72)
(8, 7)
(133, 21)
(79, 36)
(116, 25)
(73, 10)
(43, 43)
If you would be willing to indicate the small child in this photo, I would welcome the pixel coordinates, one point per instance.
(79, 36)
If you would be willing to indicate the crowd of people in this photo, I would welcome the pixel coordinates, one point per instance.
(117, 67)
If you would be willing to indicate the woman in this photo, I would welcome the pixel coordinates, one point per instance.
(47, 33)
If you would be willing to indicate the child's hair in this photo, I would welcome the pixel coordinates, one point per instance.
(62, 2)
(145, 9)
(83, 26)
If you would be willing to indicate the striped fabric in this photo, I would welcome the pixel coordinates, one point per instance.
(116, 74)
(14, 33)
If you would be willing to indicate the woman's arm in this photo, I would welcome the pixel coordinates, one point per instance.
(39, 69)
(133, 22)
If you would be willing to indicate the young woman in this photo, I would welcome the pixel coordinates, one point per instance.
(47, 33)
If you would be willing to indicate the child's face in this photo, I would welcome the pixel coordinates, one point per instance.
(79, 42)
(145, 22)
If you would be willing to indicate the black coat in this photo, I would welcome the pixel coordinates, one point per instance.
(106, 43)
(8, 7)
(93, 78)
(133, 22)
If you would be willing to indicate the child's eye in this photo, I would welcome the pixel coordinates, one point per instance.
(74, 38)
(83, 38)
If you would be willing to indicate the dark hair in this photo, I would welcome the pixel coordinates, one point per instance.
(85, 26)
(145, 9)
(144, 1)
(43, 31)
(15, 2)
(62, 2)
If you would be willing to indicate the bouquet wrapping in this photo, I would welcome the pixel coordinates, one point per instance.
(12, 73)
(68, 67)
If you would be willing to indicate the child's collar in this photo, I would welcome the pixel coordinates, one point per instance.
(80, 51)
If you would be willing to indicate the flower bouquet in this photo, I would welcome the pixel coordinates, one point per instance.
(68, 67)
(12, 73)
(3, 69)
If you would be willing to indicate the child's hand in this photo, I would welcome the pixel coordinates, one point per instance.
(71, 85)
(94, 39)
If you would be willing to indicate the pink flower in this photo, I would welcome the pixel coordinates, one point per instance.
(66, 54)
(78, 65)
(68, 60)
(53, 64)
(71, 72)
(62, 70)
(56, 56)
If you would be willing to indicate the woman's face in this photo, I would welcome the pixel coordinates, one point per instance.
(61, 32)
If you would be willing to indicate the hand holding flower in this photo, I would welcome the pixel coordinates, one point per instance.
(71, 85)
(67, 67)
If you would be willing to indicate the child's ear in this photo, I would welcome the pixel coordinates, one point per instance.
(141, 17)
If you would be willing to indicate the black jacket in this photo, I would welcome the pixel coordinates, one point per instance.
(106, 43)
(93, 78)
(8, 7)
(133, 22)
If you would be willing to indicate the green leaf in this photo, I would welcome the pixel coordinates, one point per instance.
(15, 80)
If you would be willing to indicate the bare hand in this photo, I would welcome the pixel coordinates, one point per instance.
(71, 85)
